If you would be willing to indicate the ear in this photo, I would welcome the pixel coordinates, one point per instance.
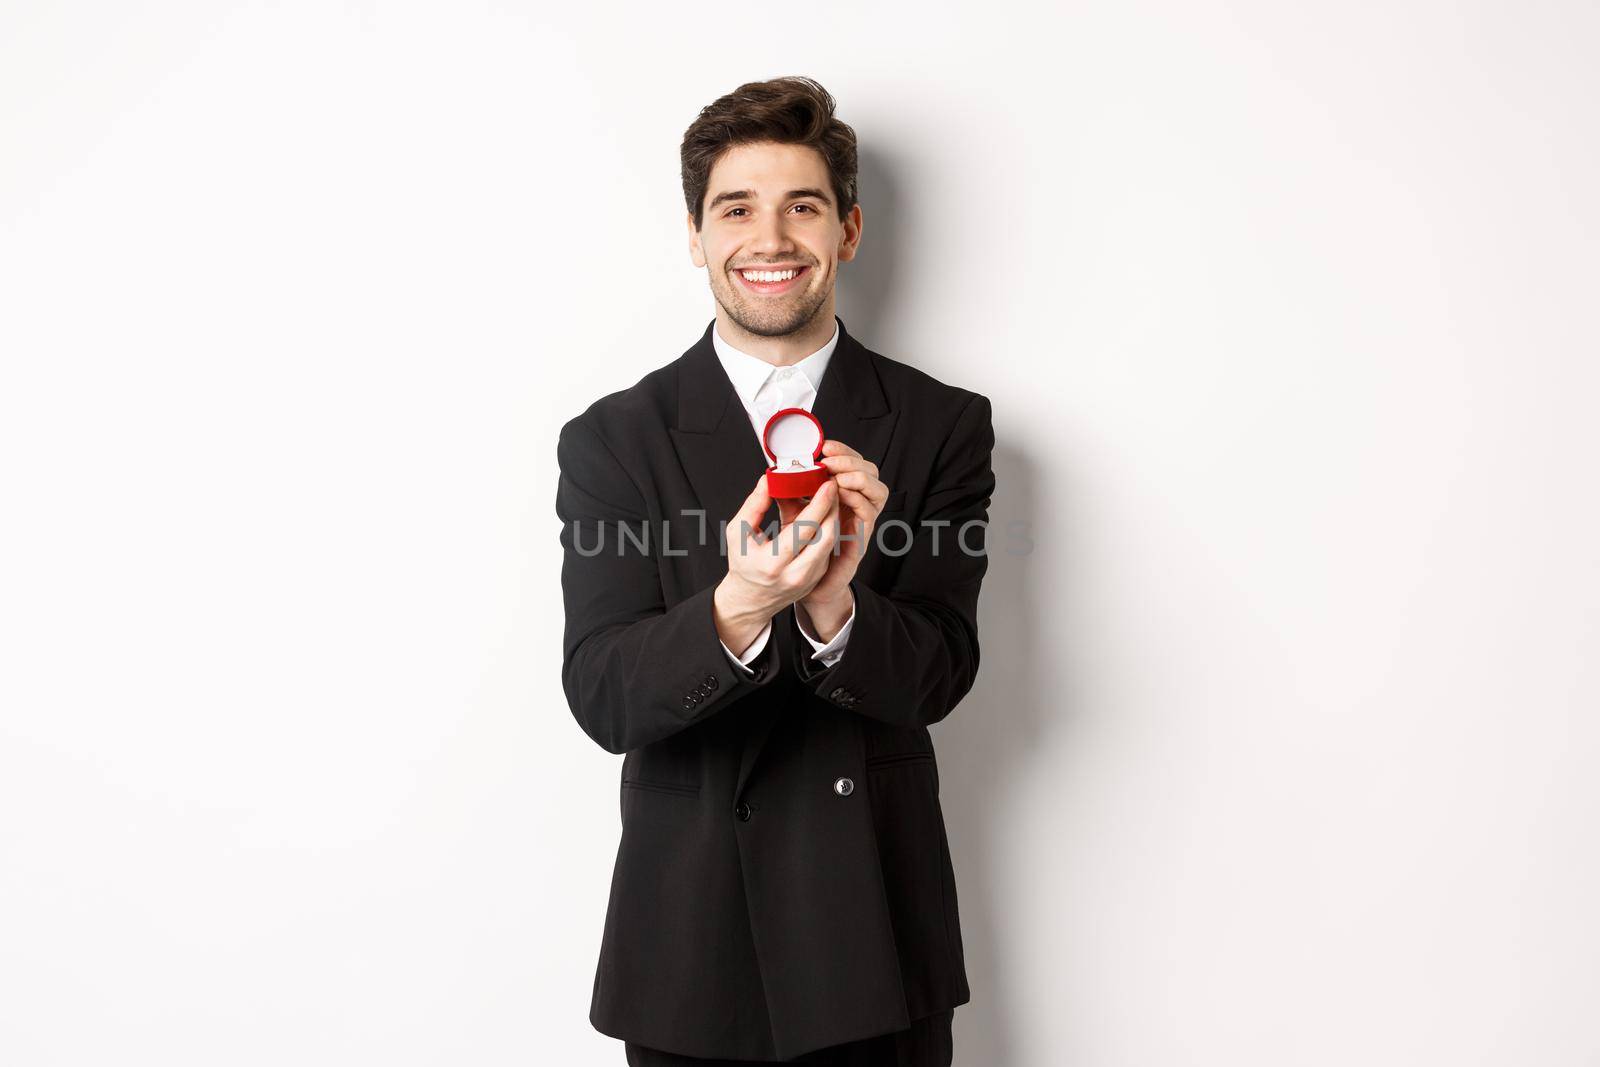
(852, 234)
(697, 255)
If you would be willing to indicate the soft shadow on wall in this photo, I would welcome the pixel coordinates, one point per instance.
(985, 743)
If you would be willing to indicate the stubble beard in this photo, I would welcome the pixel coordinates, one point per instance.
(777, 321)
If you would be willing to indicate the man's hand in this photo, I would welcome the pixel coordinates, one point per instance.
(767, 575)
(861, 498)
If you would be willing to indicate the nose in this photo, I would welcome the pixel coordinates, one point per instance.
(771, 236)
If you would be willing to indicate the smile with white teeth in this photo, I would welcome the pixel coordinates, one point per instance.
(768, 275)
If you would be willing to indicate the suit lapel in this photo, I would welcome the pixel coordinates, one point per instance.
(713, 438)
(851, 404)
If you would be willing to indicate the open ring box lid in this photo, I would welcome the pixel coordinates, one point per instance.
(793, 440)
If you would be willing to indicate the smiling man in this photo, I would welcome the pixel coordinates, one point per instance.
(783, 888)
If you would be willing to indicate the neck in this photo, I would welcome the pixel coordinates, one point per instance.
(785, 350)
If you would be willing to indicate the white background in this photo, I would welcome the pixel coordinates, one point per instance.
(1284, 747)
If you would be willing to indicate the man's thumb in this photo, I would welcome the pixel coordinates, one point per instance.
(754, 507)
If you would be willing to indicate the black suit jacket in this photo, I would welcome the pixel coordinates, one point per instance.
(761, 905)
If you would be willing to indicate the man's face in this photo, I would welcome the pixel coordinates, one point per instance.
(771, 207)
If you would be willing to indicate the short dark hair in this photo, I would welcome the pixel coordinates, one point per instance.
(791, 110)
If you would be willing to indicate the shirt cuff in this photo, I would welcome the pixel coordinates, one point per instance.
(830, 652)
(743, 662)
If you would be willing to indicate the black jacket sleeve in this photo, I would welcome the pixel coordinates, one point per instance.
(913, 648)
(634, 670)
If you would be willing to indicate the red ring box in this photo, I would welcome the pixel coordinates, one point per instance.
(794, 472)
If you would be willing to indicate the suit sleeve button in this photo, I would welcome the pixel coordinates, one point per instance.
(711, 681)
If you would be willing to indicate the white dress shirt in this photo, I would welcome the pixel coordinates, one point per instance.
(764, 389)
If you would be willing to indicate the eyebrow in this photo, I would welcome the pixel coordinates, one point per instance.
(749, 194)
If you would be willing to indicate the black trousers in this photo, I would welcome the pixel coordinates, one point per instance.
(928, 1043)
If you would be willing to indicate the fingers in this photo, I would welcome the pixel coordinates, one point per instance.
(859, 505)
(867, 485)
(860, 489)
(812, 559)
(838, 457)
(822, 501)
(841, 463)
(791, 508)
(752, 510)
(816, 514)
(812, 562)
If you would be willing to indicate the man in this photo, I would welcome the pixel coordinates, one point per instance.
(783, 887)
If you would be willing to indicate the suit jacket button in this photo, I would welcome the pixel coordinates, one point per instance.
(742, 811)
(837, 693)
(844, 787)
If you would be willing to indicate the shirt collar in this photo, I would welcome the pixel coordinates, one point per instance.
(749, 373)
